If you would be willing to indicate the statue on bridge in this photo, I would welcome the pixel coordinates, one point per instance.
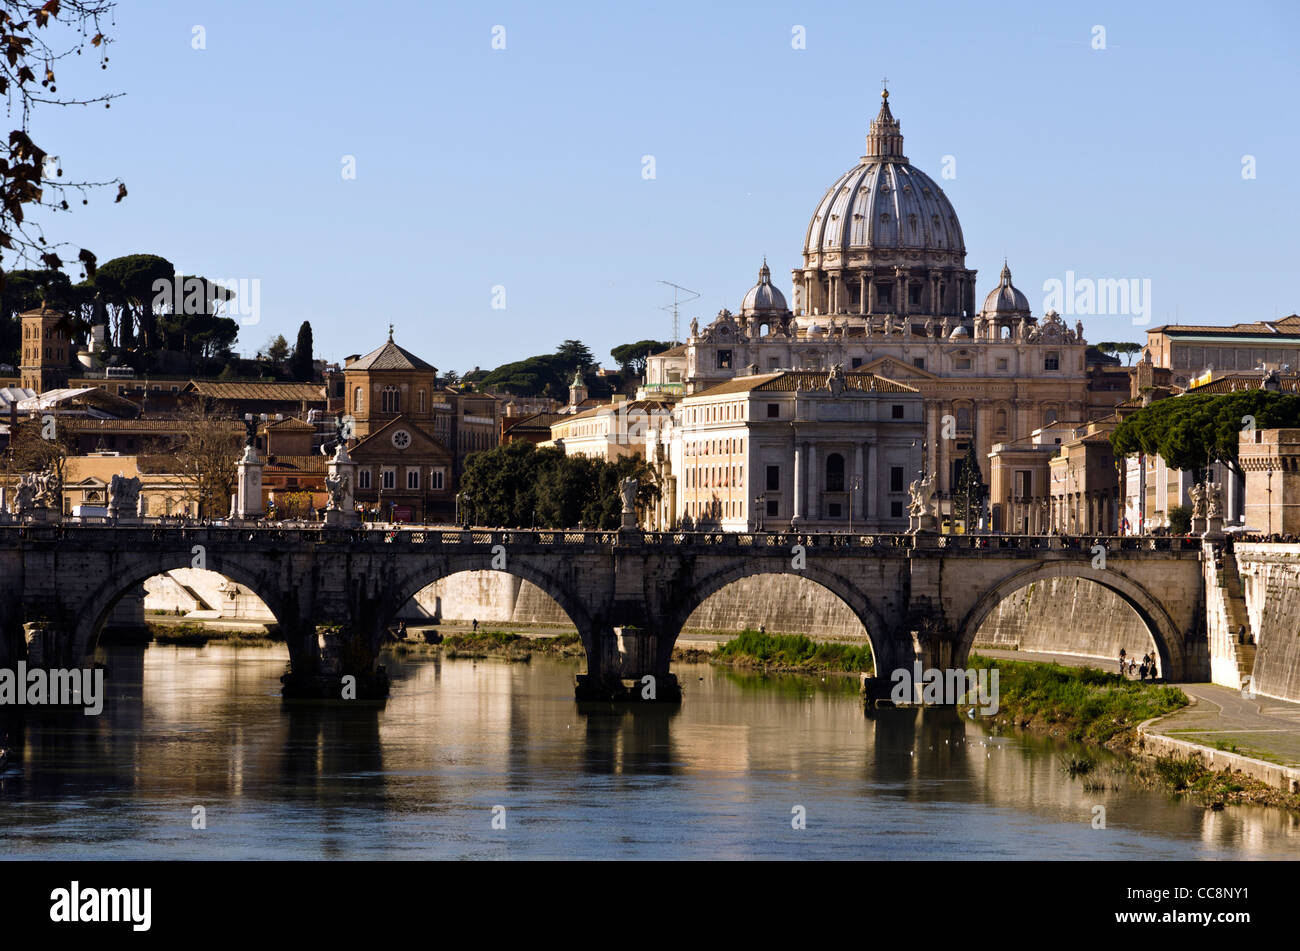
(123, 496)
(922, 492)
(1197, 493)
(25, 495)
(337, 487)
(628, 489)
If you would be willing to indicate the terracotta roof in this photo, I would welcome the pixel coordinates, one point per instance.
(1232, 384)
(677, 351)
(390, 357)
(282, 392)
(626, 406)
(314, 463)
(291, 424)
(788, 381)
(1283, 328)
(147, 425)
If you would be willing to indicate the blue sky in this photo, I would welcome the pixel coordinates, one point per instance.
(522, 167)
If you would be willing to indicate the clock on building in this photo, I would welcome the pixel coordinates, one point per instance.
(401, 439)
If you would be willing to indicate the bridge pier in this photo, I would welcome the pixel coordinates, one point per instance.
(628, 663)
(336, 663)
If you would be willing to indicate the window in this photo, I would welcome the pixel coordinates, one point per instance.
(1000, 423)
(363, 479)
(835, 474)
(1052, 361)
(389, 400)
(773, 478)
(963, 419)
(895, 478)
(884, 295)
(914, 295)
(857, 362)
(1049, 417)
(895, 509)
(896, 411)
(773, 508)
(436, 479)
(356, 400)
(773, 410)
(421, 401)
(918, 362)
(389, 477)
(413, 478)
(1002, 363)
(962, 363)
(724, 359)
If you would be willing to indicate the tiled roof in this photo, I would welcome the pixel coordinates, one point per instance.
(389, 357)
(1285, 327)
(1233, 384)
(788, 381)
(281, 392)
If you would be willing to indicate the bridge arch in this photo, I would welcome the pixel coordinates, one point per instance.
(1164, 632)
(884, 651)
(96, 607)
(438, 568)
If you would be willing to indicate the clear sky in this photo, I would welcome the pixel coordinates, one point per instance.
(523, 167)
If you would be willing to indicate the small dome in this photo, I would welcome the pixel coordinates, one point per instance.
(763, 298)
(1005, 300)
(958, 332)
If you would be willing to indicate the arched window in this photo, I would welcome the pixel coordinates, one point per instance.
(422, 402)
(356, 400)
(963, 419)
(390, 400)
(835, 472)
(1001, 422)
(1049, 416)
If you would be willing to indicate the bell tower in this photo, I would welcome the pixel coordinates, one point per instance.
(47, 350)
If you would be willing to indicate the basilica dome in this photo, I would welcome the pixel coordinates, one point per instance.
(1005, 300)
(884, 203)
(763, 298)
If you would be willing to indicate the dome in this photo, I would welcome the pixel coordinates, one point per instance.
(884, 204)
(763, 298)
(1005, 300)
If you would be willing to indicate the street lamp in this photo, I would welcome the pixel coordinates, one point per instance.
(856, 486)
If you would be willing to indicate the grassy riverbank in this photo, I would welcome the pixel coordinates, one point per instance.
(1090, 706)
(196, 634)
(503, 644)
(792, 653)
(1077, 703)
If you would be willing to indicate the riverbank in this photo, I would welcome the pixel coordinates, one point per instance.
(1091, 707)
(197, 634)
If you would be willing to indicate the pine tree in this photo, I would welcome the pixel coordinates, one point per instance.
(302, 367)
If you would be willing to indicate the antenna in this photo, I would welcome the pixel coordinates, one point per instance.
(676, 301)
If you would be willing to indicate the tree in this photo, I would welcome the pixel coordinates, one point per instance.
(518, 485)
(302, 356)
(574, 355)
(969, 492)
(1126, 348)
(207, 455)
(276, 350)
(1190, 431)
(33, 449)
(131, 284)
(35, 39)
(631, 357)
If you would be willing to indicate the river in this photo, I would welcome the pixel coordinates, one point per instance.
(727, 774)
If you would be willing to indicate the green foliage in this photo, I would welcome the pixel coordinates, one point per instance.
(1180, 519)
(631, 356)
(512, 484)
(1126, 348)
(1097, 704)
(547, 374)
(796, 650)
(276, 350)
(302, 356)
(1189, 431)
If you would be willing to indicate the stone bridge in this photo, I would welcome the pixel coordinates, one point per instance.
(336, 592)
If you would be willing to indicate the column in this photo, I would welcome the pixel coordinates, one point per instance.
(871, 484)
(798, 481)
(862, 293)
(944, 471)
(861, 475)
(932, 437)
(813, 508)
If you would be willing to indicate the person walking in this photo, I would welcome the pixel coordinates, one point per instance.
(1122, 655)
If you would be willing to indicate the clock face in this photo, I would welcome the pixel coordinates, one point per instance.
(401, 439)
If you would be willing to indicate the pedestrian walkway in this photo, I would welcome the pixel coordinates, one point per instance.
(1219, 718)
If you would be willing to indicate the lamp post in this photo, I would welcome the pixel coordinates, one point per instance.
(856, 486)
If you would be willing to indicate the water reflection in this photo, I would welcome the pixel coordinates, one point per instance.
(462, 742)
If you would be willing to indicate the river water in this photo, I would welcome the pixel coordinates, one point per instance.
(727, 774)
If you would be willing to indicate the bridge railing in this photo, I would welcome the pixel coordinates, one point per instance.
(144, 531)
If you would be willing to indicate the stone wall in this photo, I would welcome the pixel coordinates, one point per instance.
(1271, 580)
(208, 593)
(781, 603)
(1071, 616)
